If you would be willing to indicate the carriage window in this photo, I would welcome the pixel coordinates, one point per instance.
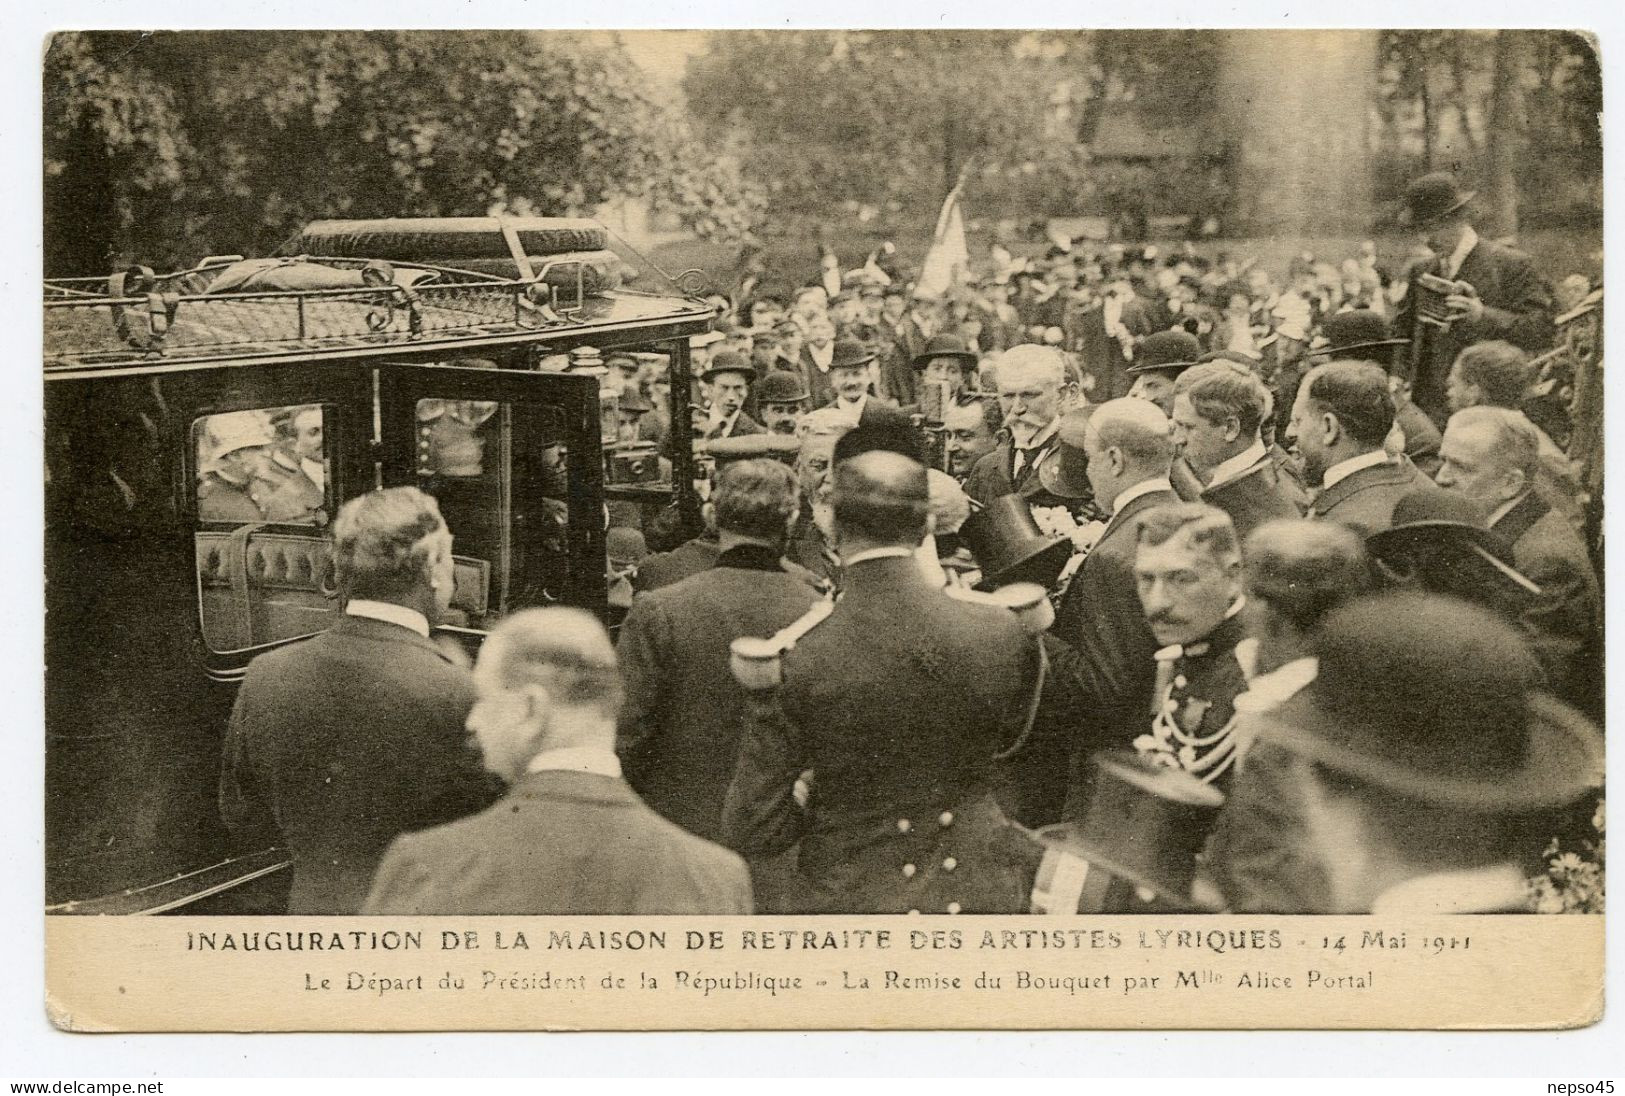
(498, 471)
(264, 465)
(257, 585)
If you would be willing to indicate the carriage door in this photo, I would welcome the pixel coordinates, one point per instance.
(513, 459)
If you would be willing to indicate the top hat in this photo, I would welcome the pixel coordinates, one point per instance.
(1434, 530)
(1432, 198)
(1359, 333)
(1009, 546)
(1166, 351)
(1145, 823)
(782, 386)
(945, 346)
(1436, 700)
(1064, 472)
(850, 354)
(729, 362)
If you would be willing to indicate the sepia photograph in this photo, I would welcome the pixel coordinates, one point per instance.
(1139, 486)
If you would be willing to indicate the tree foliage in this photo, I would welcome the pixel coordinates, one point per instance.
(161, 146)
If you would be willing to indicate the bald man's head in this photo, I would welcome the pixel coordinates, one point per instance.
(881, 497)
(1127, 441)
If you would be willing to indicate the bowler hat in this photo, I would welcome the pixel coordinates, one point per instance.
(1009, 546)
(1359, 333)
(781, 386)
(1432, 198)
(891, 433)
(945, 346)
(850, 354)
(1145, 823)
(1437, 700)
(630, 399)
(729, 362)
(1166, 351)
(624, 547)
(1064, 472)
(1443, 532)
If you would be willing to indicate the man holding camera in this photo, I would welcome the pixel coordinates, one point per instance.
(1473, 290)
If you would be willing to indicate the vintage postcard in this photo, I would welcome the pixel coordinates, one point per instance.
(709, 530)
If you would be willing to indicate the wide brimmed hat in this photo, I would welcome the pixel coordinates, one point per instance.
(1166, 351)
(1426, 521)
(1009, 546)
(945, 346)
(1064, 472)
(782, 386)
(1432, 198)
(1436, 700)
(236, 430)
(1145, 823)
(1352, 334)
(729, 362)
(849, 354)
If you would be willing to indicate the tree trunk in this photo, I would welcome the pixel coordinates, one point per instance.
(1298, 104)
(1506, 131)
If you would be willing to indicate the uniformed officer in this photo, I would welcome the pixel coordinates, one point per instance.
(892, 707)
(1188, 572)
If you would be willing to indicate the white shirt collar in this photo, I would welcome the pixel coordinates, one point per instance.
(854, 410)
(1488, 889)
(1227, 470)
(723, 422)
(390, 613)
(1464, 247)
(1504, 509)
(577, 759)
(821, 358)
(894, 552)
(1346, 468)
(1271, 690)
(1144, 487)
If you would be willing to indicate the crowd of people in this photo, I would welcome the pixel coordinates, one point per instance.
(1108, 581)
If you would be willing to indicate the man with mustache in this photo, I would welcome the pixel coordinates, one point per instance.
(781, 400)
(1033, 391)
(1187, 571)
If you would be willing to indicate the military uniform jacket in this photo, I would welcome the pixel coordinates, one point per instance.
(1562, 622)
(339, 744)
(1193, 720)
(1364, 500)
(1517, 308)
(681, 721)
(559, 843)
(897, 704)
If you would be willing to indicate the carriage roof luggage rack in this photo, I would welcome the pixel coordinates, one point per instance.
(138, 317)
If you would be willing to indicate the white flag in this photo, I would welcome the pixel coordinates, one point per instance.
(949, 258)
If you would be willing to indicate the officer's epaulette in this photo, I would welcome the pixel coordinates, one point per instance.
(1027, 600)
(788, 636)
(756, 663)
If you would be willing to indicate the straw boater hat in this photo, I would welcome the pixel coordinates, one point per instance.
(1438, 701)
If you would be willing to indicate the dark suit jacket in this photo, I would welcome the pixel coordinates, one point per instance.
(341, 743)
(560, 843)
(689, 558)
(1255, 495)
(898, 380)
(1102, 619)
(1364, 501)
(742, 425)
(1564, 622)
(1517, 308)
(819, 389)
(680, 725)
(990, 478)
(897, 703)
(1422, 438)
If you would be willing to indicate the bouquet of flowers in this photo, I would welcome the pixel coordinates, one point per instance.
(1573, 882)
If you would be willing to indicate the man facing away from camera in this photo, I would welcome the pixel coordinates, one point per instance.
(570, 837)
(680, 725)
(342, 742)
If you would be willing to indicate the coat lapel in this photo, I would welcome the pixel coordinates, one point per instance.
(1521, 518)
